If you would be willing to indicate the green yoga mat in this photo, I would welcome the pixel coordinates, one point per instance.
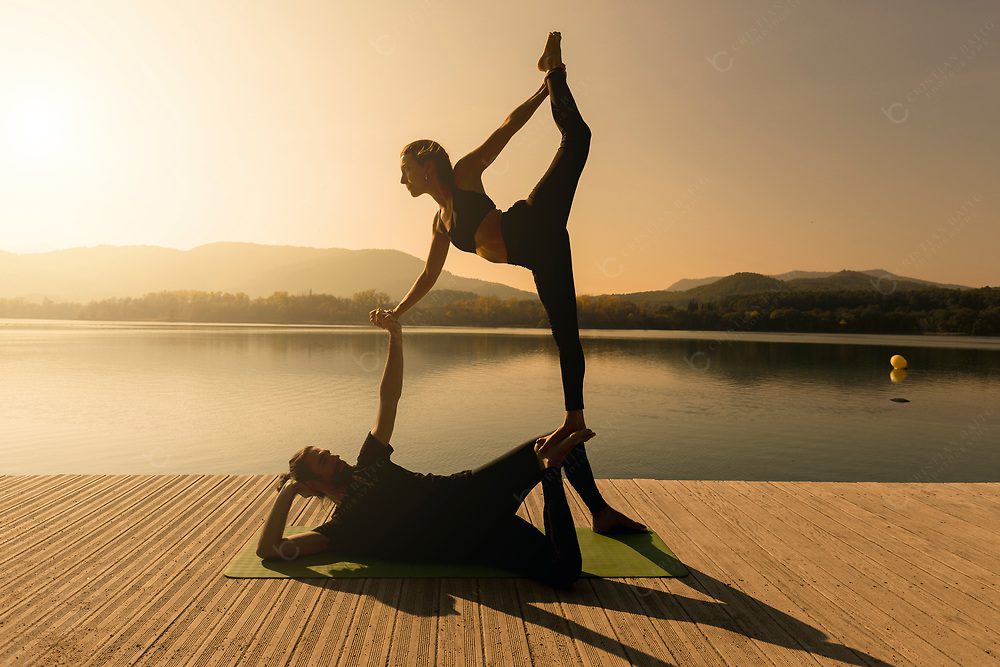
(626, 555)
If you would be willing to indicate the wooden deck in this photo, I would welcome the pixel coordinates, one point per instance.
(127, 569)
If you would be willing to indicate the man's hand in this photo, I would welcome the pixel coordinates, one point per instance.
(298, 488)
(385, 319)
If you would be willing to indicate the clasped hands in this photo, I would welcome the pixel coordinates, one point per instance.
(385, 319)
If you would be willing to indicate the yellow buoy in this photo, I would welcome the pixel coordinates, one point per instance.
(897, 361)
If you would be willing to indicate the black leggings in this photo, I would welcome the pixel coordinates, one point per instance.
(534, 231)
(508, 541)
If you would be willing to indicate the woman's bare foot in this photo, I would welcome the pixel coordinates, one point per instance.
(609, 520)
(552, 53)
(574, 421)
(551, 453)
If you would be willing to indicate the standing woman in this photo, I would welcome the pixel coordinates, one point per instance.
(531, 233)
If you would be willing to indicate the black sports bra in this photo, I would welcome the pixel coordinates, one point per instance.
(468, 210)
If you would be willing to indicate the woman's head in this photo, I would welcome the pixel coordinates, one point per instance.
(425, 164)
(319, 471)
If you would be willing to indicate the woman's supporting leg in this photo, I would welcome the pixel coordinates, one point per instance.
(554, 282)
(553, 195)
(580, 475)
(557, 292)
(553, 558)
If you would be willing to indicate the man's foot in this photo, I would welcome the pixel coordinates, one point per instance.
(609, 521)
(551, 453)
(552, 53)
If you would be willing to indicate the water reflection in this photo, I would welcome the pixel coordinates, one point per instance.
(240, 399)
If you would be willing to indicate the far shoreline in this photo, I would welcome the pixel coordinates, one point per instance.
(937, 340)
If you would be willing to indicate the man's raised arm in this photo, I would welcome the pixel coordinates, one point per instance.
(391, 387)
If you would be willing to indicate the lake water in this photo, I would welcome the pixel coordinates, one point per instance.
(229, 399)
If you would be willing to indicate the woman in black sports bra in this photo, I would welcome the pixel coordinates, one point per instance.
(531, 233)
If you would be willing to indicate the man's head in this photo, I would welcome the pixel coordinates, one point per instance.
(320, 472)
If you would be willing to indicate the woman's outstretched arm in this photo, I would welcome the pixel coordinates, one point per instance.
(478, 160)
(425, 281)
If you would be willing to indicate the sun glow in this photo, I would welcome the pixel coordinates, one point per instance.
(40, 127)
(51, 157)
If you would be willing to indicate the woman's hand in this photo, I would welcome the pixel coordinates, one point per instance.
(385, 319)
(374, 316)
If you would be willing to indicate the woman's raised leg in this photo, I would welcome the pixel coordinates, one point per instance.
(551, 199)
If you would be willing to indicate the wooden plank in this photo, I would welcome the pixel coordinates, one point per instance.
(170, 580)
(908, 629)
(790, 601)
(785, 546)
(504, 634)
(656, 599)
(66, 566)
(126, 569)
(112, 596)
(714, 609)
(688, 610)
(592, 632)
(76, 510)
(251, 616)
(965, 594)
(974, 578)
(273, 641)
(750, 624)
(31, 561)
(230, 595)
(415, 635)
(984, 503)
(227, 648)
(976, 510)
(29, 497)
(975, 544)
(792, 588)
(12, 486)
(631, 622)
(986, 493)
(547, 631)
(190, 631)
(459, 638)
(371, 630)
(338, 604)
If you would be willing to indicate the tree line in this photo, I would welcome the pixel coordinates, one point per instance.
(930, 311)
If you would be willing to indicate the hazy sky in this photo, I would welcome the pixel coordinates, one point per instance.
(727, 136)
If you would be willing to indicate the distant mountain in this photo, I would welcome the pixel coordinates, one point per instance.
(738, 283)
(875, 273)
(688, 283)
(749, 283)
(85, 274)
